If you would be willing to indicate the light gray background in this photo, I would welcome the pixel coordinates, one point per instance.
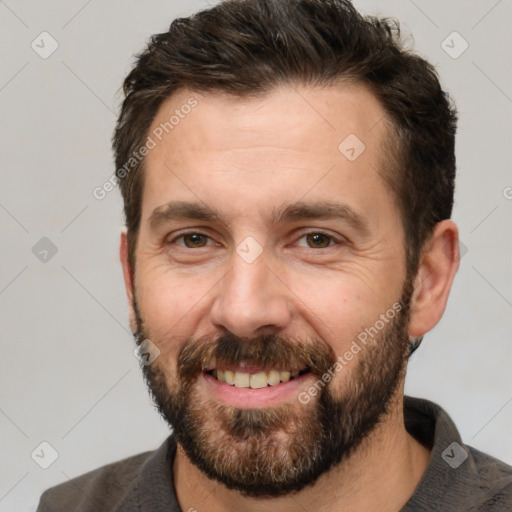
(68, 373)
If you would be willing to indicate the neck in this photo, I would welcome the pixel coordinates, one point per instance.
(380, 475)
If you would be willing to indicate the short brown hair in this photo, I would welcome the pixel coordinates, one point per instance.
(248, 47)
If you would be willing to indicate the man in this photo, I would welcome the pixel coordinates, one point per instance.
(287, 171)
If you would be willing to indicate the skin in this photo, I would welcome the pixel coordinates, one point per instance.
(245, 157)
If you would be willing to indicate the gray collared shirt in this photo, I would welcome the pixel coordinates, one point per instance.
(458, 478)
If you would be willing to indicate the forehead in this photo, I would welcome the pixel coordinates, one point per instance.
(332, 111)
(209, 142)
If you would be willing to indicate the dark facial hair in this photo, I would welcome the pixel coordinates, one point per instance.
(277, 450)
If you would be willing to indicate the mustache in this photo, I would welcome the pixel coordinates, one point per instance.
(267, 351)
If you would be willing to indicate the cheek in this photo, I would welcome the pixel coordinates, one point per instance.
(338, 308)
(166, 306)
(174, 306)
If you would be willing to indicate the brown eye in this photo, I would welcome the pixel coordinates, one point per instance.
(193, 240)
(318, 240)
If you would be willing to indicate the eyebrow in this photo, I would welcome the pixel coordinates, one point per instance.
(290, 212)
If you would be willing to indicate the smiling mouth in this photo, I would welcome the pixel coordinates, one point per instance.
(254, 380)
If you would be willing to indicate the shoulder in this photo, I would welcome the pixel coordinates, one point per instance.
(495, 482)
(100, 489)
(458, 477)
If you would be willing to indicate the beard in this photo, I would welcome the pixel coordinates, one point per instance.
(273, 451)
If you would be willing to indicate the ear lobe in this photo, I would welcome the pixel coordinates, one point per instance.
(438, 266)
(128, 276)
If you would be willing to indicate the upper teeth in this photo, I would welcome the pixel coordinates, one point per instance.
(254, 380)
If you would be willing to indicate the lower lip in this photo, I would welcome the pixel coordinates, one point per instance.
(251, 398)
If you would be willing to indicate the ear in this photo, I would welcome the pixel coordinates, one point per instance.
(439, 262)
(128, 276)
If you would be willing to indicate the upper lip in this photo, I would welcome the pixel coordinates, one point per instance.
(249, 368)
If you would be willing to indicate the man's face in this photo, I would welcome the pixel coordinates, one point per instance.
(258, 290)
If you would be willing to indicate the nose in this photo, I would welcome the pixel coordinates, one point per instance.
(251, 300)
